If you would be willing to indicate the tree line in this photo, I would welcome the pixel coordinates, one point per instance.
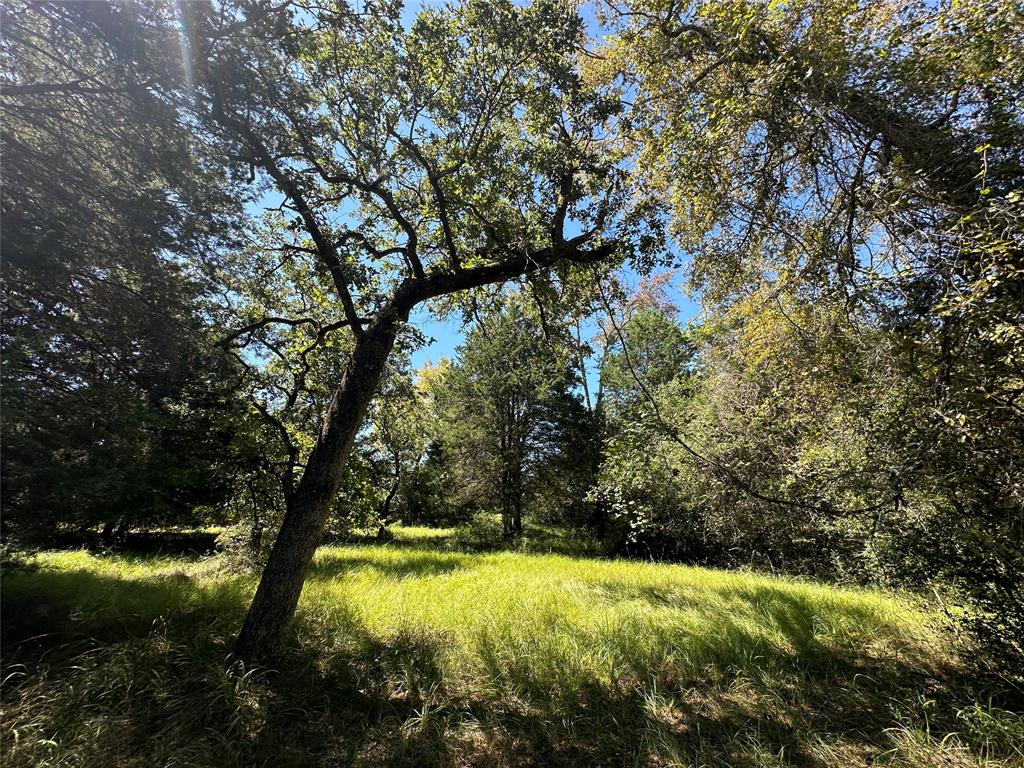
(218, 218)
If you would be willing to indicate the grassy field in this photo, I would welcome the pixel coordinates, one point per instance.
(411, 654)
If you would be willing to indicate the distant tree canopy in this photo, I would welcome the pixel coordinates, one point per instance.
(507, 411)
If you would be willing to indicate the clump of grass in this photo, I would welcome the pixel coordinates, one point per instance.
(408, 655)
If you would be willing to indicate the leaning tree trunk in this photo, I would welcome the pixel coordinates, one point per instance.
(308, 506)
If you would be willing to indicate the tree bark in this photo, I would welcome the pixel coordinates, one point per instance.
(385, 511)
(280, 585)
(107, 534)
(507, 526)
(517, 501)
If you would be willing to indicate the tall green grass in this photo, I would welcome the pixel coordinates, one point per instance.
(407, 654)
(553, 623)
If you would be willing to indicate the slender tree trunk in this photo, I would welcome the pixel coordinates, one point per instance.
(506, 482)
(256, 531)
(511, 502)
(581, 361)
(517, 500)
(107, 534)
(385, 511)
(256, 539)
(278, 593)
(506, 504)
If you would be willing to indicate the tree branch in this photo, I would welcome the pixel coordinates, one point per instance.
(325, 248)
(374, 188)
(438, 283)
(442, 204)
(264, 322)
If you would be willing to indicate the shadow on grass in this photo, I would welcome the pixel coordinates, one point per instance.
(107, 671)
(436, 539)
(796, 615)
(54, 606)
(138, 542)
(418, 563)
(139, 672)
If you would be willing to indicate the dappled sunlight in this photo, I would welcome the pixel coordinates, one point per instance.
(553, 630)
(606, 618)
(405, 652)
(487, 613)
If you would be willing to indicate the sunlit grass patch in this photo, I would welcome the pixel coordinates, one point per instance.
(419, 655)
(537, 619)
